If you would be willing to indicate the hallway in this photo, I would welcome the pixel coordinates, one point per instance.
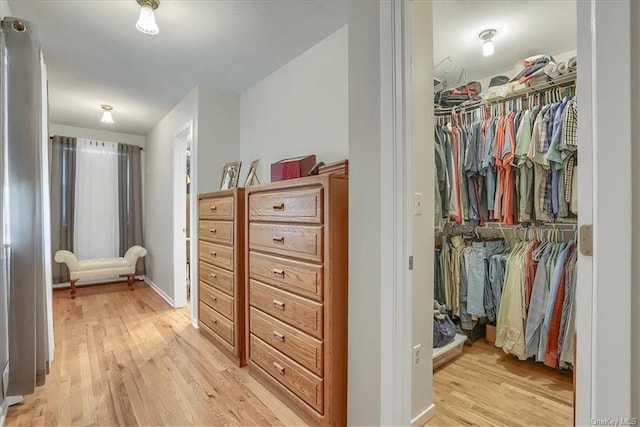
(127, 358)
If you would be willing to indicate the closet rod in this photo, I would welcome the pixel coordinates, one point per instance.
(566, 80)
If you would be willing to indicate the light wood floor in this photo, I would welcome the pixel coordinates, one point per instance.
(487, 387)
(127, 358)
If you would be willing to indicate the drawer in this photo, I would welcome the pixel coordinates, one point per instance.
(303, 383)
(294, 276)
(216, 208)
(221, 256)
(296, 311)
(298, 241)
(216, 231)
(216, 277)
(216, 322)
(219, 301)
(287, 206)
(299, 346)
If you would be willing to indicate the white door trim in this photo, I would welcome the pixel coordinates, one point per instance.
(396, 315)
(193, 259)
(607, 357)
(182, 138)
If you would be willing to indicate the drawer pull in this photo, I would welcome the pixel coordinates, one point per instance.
(214, 254)
(278, 304)
(215, 276)
(214, 321)
(213, 208)
(213, 230)
(278, 336)
(215, 299)
(279, 368)
(278, 272)
(279, 207)
(278, 239)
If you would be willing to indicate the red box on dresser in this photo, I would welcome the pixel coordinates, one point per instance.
(296, 167)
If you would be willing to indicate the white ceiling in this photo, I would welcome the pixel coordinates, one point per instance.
(524, 27)
(96, 56)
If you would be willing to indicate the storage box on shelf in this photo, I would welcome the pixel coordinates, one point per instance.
(297, 293)
(221, 270)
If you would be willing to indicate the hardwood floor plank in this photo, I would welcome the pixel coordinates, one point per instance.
(487, 387)
(127, 358)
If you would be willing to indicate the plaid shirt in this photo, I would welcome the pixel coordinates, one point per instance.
(570, 145)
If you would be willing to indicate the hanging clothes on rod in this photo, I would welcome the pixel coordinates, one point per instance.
(509, 162)
(520, 279)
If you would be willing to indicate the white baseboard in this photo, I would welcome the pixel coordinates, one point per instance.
(159, 291)
(424, 416)
(194, 323)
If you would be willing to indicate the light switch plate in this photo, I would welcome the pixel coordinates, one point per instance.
(417, 204)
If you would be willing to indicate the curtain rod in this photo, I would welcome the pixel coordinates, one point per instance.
(120, 143)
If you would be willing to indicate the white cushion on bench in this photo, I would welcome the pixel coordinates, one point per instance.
(97, 268)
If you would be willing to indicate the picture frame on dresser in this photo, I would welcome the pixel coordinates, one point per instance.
(296, 286)
(230, 175)
(252, 175)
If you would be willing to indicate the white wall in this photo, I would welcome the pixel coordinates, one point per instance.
(98, 134)
(302, 108)
(635, 278)
(218, 137)
(158, 229)
(4, 8)
(364, 368)
(215, 116)
(422, 226)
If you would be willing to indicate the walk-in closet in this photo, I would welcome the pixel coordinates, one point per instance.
(506, 150)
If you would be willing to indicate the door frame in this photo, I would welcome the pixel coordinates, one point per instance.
(182, 139)
(604, 282)
(601, 373)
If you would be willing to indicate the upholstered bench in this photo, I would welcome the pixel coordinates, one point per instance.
(98, 268)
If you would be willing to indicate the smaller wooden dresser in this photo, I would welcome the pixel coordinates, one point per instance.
(221, 255)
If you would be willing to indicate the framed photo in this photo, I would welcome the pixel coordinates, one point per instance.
(252, 173)
(230, 175)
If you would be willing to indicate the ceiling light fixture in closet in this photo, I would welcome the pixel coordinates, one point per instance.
(487, 36)
(106, 115)
(147, 21)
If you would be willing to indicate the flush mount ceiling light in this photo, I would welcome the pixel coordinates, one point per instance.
(487, 36)
(106, 115)
(147, 21)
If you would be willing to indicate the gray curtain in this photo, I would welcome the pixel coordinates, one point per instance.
(63, 180)
(130, 200)
(21, 168)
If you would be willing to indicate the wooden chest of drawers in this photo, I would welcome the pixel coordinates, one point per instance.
(221, 271)
(297, 293)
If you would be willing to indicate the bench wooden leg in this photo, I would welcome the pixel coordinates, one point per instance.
(130, 279)
(73, 288)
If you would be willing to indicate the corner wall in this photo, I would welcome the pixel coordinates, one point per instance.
(365, 220)
(158, 228)
(218, 137)
(300, 109)
(422, 171)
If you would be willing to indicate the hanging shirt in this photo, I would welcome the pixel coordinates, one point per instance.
(554, 157)
(569, 145)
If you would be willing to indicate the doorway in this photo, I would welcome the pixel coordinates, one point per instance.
(597, 100)
(183, 215)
